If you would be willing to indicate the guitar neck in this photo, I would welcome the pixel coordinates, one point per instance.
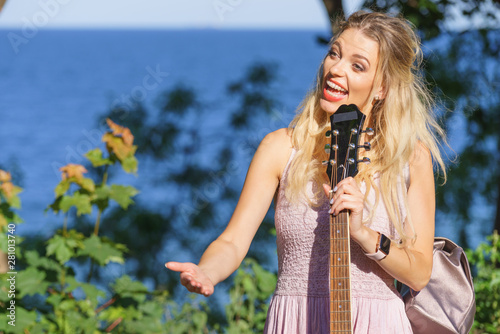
(340, 274)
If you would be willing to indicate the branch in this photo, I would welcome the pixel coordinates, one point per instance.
(334, 9)
(103, 306)
(114, 324)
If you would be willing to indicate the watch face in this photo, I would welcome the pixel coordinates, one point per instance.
(385, 244)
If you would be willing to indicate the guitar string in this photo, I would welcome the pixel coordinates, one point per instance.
(345, 294)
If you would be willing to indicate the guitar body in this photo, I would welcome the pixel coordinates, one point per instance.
(346, 128)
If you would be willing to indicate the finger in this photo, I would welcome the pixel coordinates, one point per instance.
(187, 279)
(196, 287)
(347, 201)
(178, 266)
(339, 191)
(347, 181)
(207, 292)
(350, 189)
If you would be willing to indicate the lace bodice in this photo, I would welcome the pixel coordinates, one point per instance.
(303, 247)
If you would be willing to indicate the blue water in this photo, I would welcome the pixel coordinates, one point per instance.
(54, 85)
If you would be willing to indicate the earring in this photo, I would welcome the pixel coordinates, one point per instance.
(376, 98)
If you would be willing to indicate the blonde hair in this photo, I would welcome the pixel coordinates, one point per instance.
(401, 120)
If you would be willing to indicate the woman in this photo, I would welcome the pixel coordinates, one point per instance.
(372, 63)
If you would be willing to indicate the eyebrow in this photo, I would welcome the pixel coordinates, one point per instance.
(356, 55)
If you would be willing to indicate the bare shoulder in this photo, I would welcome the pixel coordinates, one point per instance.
(421, 162)
(421, 156)
(279, 138)
(275, 150)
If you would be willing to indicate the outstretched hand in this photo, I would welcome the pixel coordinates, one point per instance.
(192, 277)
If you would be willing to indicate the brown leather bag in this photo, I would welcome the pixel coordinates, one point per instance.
(447, 304)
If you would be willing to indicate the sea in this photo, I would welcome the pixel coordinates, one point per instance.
(54, 84)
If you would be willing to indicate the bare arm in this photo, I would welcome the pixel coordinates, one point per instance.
(411, 266)
(226, 253)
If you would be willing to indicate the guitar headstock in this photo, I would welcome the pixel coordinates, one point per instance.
(346, 128)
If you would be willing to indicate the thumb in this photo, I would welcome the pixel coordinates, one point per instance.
(326, 189)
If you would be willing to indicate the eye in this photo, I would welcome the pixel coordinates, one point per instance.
(333, 54)
(358, 67)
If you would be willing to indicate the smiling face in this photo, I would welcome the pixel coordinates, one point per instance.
(349, 73)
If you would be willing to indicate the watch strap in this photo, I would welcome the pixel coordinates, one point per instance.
(381, 249)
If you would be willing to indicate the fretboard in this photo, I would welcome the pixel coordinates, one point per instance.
(340, 274)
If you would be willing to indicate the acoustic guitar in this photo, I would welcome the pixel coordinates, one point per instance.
(346, 128)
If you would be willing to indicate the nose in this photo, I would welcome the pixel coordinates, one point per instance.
(337, 68)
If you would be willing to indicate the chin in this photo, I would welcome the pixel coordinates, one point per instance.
(329, 107)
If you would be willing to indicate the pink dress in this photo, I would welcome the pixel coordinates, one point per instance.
(300, 304)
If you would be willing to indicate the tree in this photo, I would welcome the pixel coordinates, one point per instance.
(459, 58)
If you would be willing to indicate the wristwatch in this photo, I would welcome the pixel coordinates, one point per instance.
(382, 249)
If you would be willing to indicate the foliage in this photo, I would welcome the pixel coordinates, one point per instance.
(48, 296)
(486, 264)
(48, 292)
(191, 317)
(252, 287)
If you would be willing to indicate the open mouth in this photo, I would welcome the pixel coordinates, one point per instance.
(333, 92)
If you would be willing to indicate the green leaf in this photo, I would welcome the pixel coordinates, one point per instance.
(62, 187)
(122, 195)
(129, 164)
(8, 215)
(34, 260)
(125, 287)
(87, 184)
(103, 253)
(151, 308)
(146, 325)
(265, 279)
(101, 197)
(67, 304)
(102, 192)
(80, 201)
(96, 158)
(14, 201)
(200, 320)
(55, 206)
(54, 299)
(23, 321)
(57, 245)
(30, 282)
(91, 291)
(81, 322)
(39, 328)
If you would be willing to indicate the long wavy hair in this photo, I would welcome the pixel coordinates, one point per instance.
(401, 120)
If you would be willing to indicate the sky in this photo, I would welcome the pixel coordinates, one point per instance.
(217, 14)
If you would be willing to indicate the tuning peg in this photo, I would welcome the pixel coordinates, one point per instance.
(367, 146)
(352, 146)
(331, 162)
(368, 131)
(354, 131)
(365, 160)
(335, 132)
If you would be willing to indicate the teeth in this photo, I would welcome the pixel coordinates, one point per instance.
(336, 87)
